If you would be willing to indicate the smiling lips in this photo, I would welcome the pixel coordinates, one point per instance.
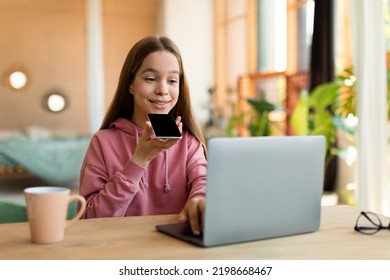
(160, 103)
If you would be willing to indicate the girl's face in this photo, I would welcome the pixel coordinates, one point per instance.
(155, 87)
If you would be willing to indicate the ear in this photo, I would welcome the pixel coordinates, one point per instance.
(131, 89)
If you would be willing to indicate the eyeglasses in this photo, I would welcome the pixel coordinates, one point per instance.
(369, 223)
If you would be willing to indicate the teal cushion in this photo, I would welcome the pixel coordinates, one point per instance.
(72, 210)
(11, 212)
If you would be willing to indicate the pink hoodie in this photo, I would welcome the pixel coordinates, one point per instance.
(114, 186)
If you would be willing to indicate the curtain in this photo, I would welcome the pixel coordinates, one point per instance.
(322, 65)
(369, 62)
(322, 56)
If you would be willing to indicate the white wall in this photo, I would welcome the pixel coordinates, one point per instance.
(95, 63)
(189, 23)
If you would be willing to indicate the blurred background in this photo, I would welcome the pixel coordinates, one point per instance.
(255, 68)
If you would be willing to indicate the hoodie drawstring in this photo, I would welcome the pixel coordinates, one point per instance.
(167, 187)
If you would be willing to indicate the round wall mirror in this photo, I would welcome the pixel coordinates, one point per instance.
(55, 102)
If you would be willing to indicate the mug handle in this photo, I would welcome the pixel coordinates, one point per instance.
(81, 199)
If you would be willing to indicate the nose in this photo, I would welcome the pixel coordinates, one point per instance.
(162, 88)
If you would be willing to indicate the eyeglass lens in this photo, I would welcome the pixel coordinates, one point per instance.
(368, 223)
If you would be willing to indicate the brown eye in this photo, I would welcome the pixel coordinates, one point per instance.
(150, 79)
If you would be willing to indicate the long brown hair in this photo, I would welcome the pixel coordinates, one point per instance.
(122, 105)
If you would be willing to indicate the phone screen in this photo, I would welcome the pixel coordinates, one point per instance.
(164, 126)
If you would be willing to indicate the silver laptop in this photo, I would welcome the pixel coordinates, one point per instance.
(259, 188)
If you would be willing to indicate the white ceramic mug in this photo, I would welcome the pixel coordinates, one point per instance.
(47, 209)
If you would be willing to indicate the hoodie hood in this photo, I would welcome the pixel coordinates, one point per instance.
(127, 126)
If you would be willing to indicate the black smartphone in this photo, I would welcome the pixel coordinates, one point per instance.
(164, 126)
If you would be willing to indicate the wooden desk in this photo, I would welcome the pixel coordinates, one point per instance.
(136, 238)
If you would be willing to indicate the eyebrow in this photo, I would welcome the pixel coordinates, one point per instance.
(151, 69)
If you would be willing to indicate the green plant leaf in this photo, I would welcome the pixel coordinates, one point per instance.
(261, 106)
(300, 117)
(324, 95)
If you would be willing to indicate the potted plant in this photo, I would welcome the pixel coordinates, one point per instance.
(255, 121)
(330, 106)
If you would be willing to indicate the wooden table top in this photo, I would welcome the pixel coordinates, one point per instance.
(137, 238)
